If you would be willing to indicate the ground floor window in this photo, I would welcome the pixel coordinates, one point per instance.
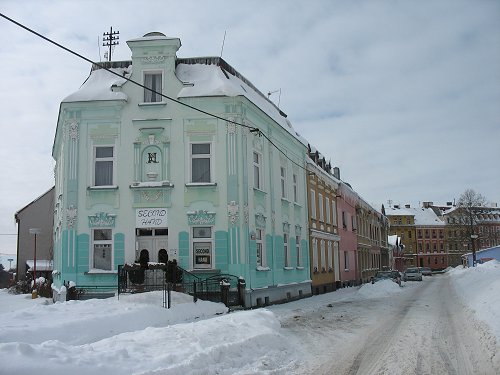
(202, 247)
(259, 237)
(102, 244)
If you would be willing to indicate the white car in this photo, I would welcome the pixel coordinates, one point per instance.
(413, 274)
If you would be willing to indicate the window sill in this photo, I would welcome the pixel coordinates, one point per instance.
(165, 184)
(285, 200)
(107, 187)
(300, 268)
(260, 268)
(201, 184)
(152, 104)
(95, 271)
(288, 268)
(260, 191)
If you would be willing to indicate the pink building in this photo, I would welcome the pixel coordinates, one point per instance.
(346, 209)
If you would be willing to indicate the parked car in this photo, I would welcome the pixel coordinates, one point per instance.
(387, 275)
(426, 271)
(412, 273)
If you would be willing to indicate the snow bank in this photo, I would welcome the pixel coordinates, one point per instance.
(479, 288)
(135, 335)
(381, 289)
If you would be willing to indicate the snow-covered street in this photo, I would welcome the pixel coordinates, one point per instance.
(447, 324)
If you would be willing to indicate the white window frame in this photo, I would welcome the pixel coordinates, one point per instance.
(321, 210)
(95, 160)
(295, 188)
(334, 212)
(260, 246)
(323, 255)
(202, 240)
(100, 243)
(257, 170)
(150, 93)
(192, 157)
(298, 249)
(315, 255)
(346, 260)
(286, 249)
(313, 204)
(283, 182)
(330, 256)
(327, 206)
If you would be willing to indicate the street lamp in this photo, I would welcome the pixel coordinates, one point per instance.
(35, 231)
(473, 237)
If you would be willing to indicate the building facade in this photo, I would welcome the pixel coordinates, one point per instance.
(372, 236)
(324, 239)
(139, 175)
(34, 229)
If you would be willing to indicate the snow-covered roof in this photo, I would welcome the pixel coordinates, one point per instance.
(212, 80)
(99, 84)
(422, 216)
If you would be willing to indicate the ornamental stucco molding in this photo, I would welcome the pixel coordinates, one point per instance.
(231, 126)
(102, 219)
(245, 213)
(298, 230)
(233, 212)
(153, 59)
(201, 217)
(71, 215)
(72, 129)
(260, 221)
(151, 196)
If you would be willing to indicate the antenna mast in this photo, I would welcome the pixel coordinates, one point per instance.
(110, 40)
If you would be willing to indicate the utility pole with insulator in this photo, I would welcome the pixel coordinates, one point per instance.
(110, 40)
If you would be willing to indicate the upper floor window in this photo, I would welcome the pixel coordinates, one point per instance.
(295, 188)
(103, 165)
(320, 203)
(153, 89)
(313, 204)
(257, 170)
(327, 206)
(201, 158)
(283, 182)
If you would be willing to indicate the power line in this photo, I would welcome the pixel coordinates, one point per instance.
(253, 130)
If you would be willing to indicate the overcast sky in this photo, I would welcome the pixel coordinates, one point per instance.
(403, 96)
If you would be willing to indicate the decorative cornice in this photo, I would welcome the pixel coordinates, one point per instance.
(153, 59)
(102, 219)
(201, 217)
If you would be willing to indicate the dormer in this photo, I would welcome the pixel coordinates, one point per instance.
(153, 61)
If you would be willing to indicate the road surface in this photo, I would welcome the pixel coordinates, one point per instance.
(425, 330)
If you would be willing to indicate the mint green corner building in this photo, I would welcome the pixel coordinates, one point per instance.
(214, 178)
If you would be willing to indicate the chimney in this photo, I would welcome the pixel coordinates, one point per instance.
(407, 206)
(336, 173)
(427, 204)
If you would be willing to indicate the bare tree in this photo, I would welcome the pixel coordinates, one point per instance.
(467, 217)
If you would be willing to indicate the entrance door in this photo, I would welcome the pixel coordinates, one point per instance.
(151, 241)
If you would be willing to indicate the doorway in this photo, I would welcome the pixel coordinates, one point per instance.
(152, 244)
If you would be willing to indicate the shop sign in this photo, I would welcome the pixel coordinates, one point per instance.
(151, 218)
